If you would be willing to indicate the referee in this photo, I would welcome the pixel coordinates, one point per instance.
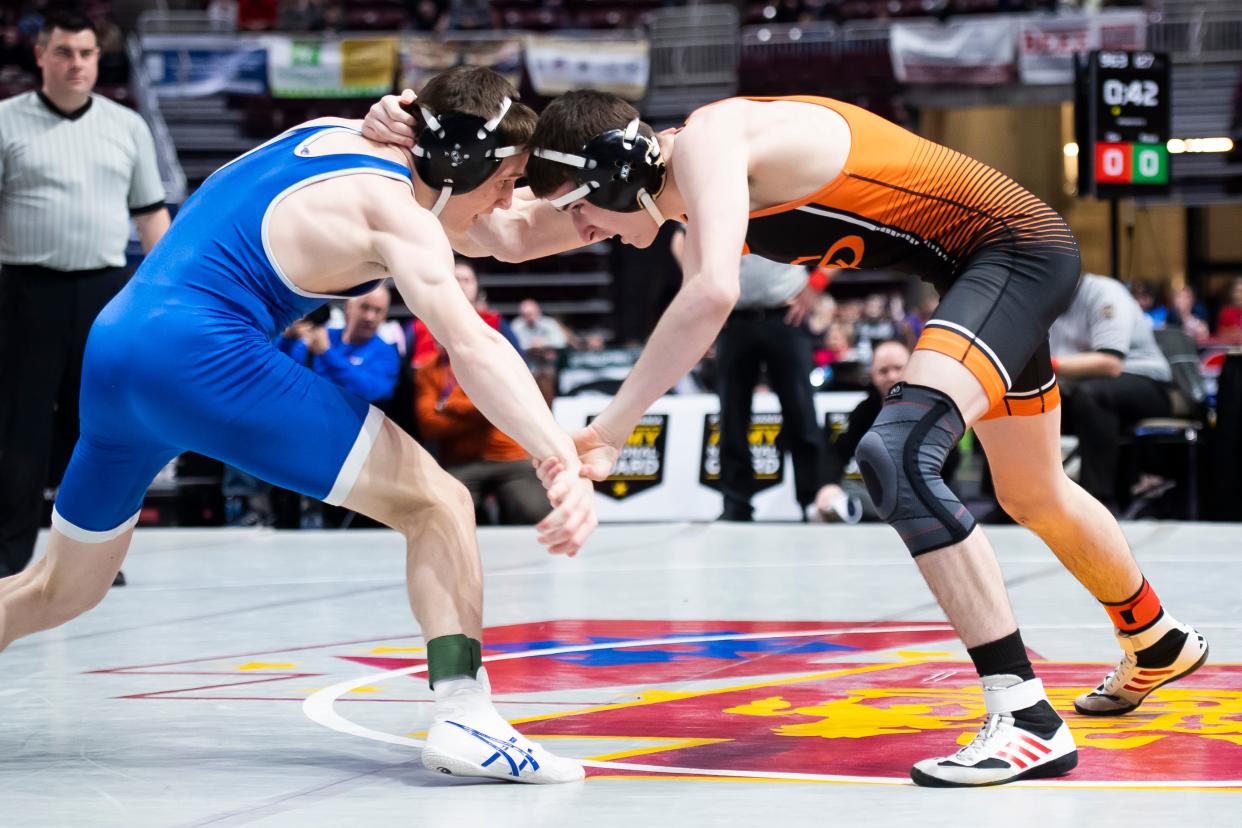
(74, 168)
(766, 329)
(1112, 374)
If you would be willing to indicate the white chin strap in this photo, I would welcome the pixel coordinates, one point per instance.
(645, 199)
(441, 201)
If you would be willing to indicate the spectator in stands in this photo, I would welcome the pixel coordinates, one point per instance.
(1111, 374)
(843, 495)
(470, 448)
(1188, 314)
(1229, 320)
(1149, 300)
(839, 345)
(64, 228)
(354, 357)
(423, 346)
(536, 331)
(877, 323)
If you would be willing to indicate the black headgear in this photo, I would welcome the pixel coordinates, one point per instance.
(458, 152)
(618, 170)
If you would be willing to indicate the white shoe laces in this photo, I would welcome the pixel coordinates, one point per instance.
(980, 747)
(1120, 676)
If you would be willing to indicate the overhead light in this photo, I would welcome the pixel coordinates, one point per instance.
(1176, 146)
(1071, 150)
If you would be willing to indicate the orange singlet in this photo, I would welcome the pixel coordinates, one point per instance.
(1006, 265)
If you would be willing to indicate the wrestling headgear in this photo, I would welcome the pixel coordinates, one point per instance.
(458, 152)
(618, 170)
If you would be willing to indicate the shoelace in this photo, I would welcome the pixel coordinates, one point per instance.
(1114, 681)
(970, 754)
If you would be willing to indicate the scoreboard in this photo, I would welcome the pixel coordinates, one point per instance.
(1121, 123)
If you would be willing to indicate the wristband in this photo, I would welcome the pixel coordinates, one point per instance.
(819, 280)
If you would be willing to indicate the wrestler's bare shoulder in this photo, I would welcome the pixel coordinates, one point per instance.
(794, 148)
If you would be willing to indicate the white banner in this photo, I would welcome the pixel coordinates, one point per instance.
(1046, 45)
(558, 64)
(960, 52)
(669, 461)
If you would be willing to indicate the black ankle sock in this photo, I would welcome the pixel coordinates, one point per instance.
(1005, 656)
(1164, 652)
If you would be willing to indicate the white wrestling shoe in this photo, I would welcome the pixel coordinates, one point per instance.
(469, 738)
(1135, 677)
(1003, 752)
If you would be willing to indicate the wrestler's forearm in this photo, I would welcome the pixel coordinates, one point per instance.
(1089, 364)
(500, 385)
(683, 334)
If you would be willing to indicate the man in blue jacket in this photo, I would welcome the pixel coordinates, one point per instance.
(353, 357)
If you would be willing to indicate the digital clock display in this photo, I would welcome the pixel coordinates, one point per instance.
(1122, 123)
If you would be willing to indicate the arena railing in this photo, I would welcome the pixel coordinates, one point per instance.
(694, 58)
(1203, 36)
(162, 21)
(149, 107)
(1206, 36)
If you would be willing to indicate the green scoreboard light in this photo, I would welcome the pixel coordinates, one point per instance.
(1121, 123)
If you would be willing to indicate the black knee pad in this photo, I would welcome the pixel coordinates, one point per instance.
(901, 458)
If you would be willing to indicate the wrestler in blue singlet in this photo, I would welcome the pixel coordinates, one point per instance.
(183, 358)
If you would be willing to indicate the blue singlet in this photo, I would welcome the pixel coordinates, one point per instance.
(183, 358)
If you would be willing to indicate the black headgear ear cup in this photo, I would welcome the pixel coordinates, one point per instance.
(617, 170)
(456, 152)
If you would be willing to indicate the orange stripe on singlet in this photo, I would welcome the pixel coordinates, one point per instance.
(956, 346)
(1026, 406)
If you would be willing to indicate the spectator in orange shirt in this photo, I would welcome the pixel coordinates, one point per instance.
(422, 345)
(471, 449)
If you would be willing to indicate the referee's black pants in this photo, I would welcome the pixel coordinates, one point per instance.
(45, 316)
(1097, 410)
(751, 339)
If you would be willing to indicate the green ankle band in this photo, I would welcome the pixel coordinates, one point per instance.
(451, 656)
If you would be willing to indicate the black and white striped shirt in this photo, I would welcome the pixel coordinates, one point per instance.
(69, 182)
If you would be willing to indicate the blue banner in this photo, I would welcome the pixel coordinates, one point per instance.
(189, 66)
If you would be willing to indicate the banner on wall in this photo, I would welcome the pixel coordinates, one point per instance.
(421, 58)
(559, 64)
(641, 463)
(1046, 45)
(981, 52)
(320, 68)
(595, 371)
(194, 66)
(766, 459)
